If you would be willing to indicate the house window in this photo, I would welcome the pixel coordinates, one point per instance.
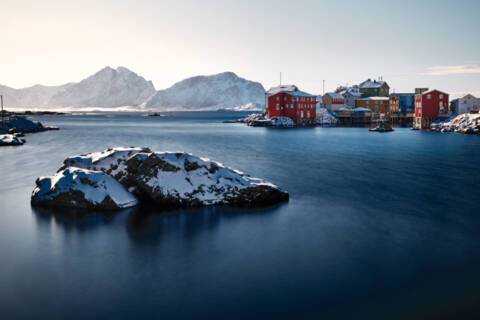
(278, 98)
(441, 96)
(429, 96)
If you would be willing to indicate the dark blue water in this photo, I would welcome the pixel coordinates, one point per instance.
(382, 226)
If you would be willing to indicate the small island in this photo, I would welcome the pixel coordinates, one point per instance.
(124, 177)
(13, 126)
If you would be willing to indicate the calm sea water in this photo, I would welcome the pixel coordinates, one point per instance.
(380, 226)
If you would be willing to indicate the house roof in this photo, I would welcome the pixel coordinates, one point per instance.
(290, 89)
(353, 91)
(430, 91)
(469, 96)
(372, 84)
(334, 95)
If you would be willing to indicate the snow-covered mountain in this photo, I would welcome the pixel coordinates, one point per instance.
(118, 88)
(37, 96)
(220, 91)
(108, 88)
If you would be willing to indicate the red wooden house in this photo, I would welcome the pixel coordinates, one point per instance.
(430, 105)
(288, 101)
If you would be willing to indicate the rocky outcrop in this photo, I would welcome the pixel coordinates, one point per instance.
(22, 124)
(10, 140)
(177, 179)
(261, 120)
(468, 123)
(80, 188)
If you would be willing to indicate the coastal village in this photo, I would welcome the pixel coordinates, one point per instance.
(367, 104)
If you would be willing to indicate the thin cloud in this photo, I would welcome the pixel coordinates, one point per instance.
(451, 70)
(461, 94)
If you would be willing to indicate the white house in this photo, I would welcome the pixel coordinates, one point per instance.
(466, 104)
(350, 94)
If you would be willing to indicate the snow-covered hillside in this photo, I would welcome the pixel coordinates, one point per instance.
(108, 88)
(37, 96)
(124, 90)
(220, 91)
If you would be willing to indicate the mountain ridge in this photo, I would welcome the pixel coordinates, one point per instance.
(111, 88)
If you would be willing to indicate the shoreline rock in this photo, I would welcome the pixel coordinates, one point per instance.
(467, 123)
(80, 188)
(174, 179)
(260, 120)
(11, 140)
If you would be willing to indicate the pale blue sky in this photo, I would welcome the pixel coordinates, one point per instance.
(52, 42)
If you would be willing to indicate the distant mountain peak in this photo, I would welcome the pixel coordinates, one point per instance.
(210, 92)
(120, 87)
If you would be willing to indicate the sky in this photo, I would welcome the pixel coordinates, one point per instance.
(422, 43)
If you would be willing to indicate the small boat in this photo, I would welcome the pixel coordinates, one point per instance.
(382, 126)
(155, 114)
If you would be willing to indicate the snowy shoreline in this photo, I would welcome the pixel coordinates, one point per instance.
(468, 123)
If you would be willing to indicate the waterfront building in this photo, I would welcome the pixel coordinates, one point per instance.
(380, 105)
(289, 101)
(466, 104)
(429, 106)
(333, 101)
(394, 104)
(374, 88)
(406, 102)
(350, 94)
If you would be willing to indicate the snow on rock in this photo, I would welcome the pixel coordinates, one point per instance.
(282, 122)
(80, 188)
(179, 179)
(111, 161)
(468, 123)
(325, 118)
(10, 140)
(252, 117)
(260, 120)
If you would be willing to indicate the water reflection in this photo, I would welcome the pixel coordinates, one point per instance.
(146, 224)
(73, 219)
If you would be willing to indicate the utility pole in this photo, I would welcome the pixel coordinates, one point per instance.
(1, 102)
(323, 88)
(280, 78)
